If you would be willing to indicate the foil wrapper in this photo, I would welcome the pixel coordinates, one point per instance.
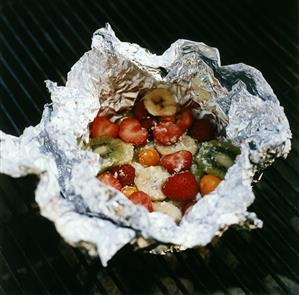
(109, 77)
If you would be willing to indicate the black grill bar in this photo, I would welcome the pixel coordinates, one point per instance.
(34, 249)
(251, 271)
(35, 245)
(211, 272)
(16, 104)
(129, 26)
(257, 260)
(27, 73)
(78, 19)
(14, 76)
(69, 26)
(281, 199)
(154, 37)
(26, 266)
(9, 280)
(62, 36)
(17, 37)
(33, 39)
(171, 275)
(277, 26)
(285, 51)
(237, 278)
(194, 274)
(10, 120)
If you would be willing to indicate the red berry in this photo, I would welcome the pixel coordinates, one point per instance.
(103, 126)
(124, 173)
(141, 198)
(167, 119)
(167, 133)
(177, 162)
(180, 187)
(131, 131)
(202, 129)
(185, 119)
(140, 111)
(109, 179)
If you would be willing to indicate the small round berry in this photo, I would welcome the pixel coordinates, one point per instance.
(148, 156)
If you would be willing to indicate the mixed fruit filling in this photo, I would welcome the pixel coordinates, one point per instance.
(159, 155)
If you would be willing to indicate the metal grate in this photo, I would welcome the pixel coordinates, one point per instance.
(42, 40)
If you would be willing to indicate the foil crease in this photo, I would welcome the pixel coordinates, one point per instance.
(109, 77)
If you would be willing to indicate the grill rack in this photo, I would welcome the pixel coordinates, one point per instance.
(42, 40)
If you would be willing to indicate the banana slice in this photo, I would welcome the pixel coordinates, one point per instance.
(160, 102)
(127, 154)
(168, 209)
(186, 143)
(150, 180)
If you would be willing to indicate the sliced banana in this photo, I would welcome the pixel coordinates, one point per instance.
(186, 143)
(168, 209)
(150, 180)
(127, 154)
(160, 102)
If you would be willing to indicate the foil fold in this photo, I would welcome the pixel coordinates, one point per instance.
(110, 77)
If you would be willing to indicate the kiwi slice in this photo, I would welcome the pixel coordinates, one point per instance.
(215, 157)
(113, 151)
(197, 171)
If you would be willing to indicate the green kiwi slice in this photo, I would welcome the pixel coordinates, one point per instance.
(215, 157)
(113, 151)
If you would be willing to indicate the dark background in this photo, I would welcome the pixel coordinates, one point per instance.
(42, 39)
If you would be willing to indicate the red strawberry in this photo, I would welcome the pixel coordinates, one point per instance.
(109, 179)
(202, 129)
(167, 119)
(167, 133)
(141, 198)
(103, 126)
(185, 119)
(177, 162)
(131, 131)
(180, 187)
(140, 111)
(124, 173)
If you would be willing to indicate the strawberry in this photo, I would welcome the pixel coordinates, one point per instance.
(167, 133)
(180, 187)
(131, 131)
(202, 129)
(167, 119)
(149, 123)
(140, 111)
(103, 126)
(141, 198)
(124, 173)
(177, 162)
(184, 120)
(109, 179)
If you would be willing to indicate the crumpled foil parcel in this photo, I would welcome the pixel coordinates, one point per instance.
(109, 77)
